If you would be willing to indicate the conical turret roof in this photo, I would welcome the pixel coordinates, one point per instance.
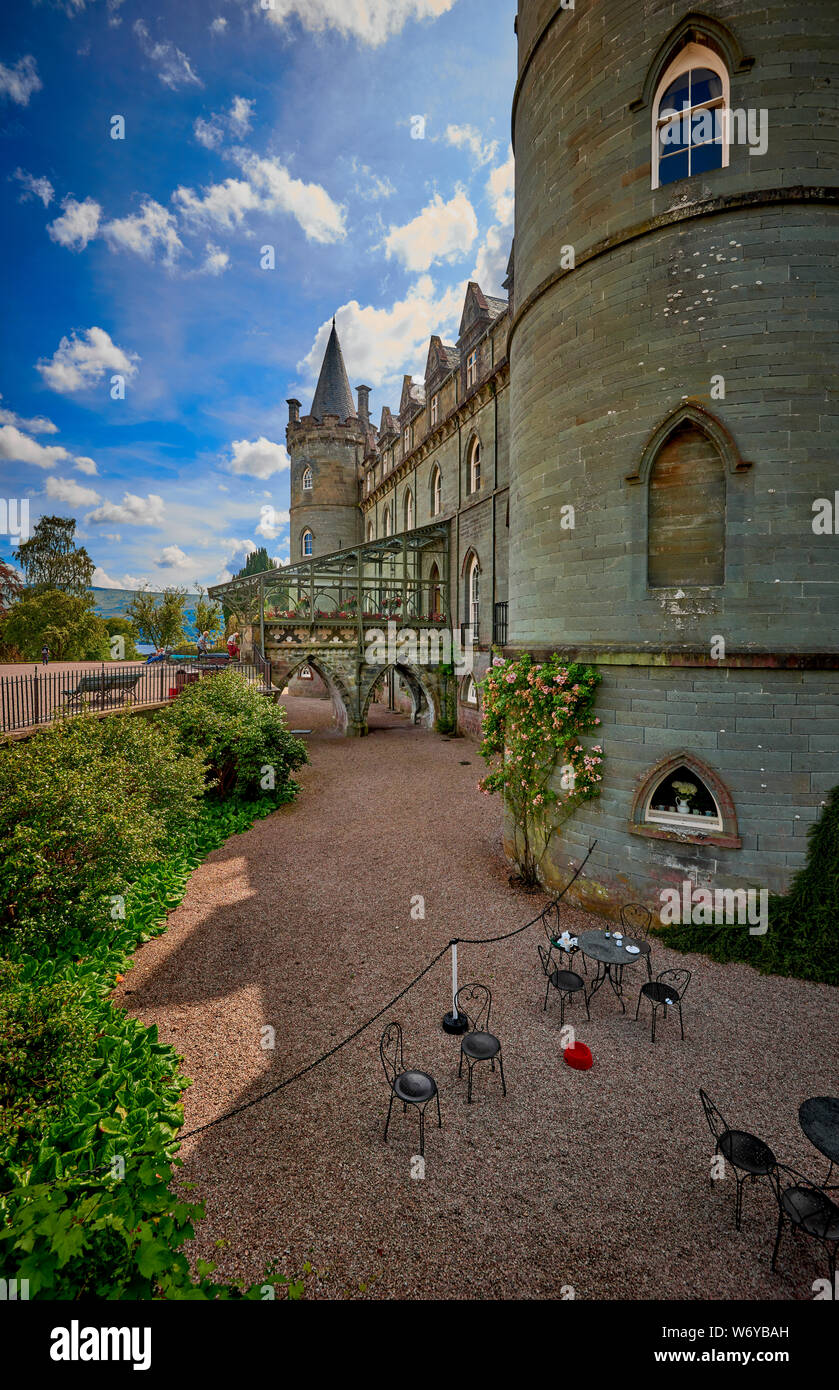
(332, 393)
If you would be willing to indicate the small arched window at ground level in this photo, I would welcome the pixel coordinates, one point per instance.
(307, 479)
(470, 692)
(689, 134)
(305, 673)
(307, 543)
(681, 800)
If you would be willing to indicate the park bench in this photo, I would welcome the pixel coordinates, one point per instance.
(102, 690)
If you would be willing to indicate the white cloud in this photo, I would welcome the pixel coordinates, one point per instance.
(173, 67)
(501, 189)
(101, 580)
(215, 262)
(208, 133)
(79, 363)
(37, 425)
(34, 188)
(321, 218)
(374, 186)
(370, 21)
(21, 449)
(172, 557)
(132, 511)
(267, 187)
(381, 344)
(218, 25)
(144, 232)
(69, 491)
(272, 523)
(85, 465)
(467, 137)
(258, 458)
(77, 225)
(18, 83)
(493, 256)
(441, 232)
(241, 111)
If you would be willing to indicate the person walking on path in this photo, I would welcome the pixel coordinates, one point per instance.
(45, 655)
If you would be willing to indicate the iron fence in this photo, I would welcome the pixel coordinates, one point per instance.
(37, 698)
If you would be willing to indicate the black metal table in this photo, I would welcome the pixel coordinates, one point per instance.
(610, 959)
(819, 1119)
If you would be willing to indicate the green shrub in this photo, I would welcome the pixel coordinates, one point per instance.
(803, 929)
(90, 1204)
(84, 806)
(242, 735)
(123, 627)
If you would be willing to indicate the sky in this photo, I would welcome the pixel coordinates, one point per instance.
(189, 192)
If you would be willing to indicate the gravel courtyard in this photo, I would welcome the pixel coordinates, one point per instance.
(594, 1181)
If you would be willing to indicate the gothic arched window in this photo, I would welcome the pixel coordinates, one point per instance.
(475, 465)
(371, 531)
(307, 543)
(307, 479)
(689, 116)
(409, 510)
(686, 511)
(436, 491)
(387, 526)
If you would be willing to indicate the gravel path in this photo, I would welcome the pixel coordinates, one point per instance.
(595, 1180)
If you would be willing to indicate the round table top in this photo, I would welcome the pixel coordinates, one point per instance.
(819, 1119)
(598, 946)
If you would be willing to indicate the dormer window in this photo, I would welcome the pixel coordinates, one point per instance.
(307, 479)
(471, 369)
(435, 409)
(689, 116)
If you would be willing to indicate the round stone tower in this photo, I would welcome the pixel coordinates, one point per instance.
(326, 448)
(672, 362)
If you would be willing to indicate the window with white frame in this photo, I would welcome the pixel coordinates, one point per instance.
(408, 439)
(307, 543)
(473, 595)
(307, 479)
(472, 369)
(475, 465)
(690, 116)
(681, 800)
(305, 673)
(470, 691)
(409, 510)
(435, 409)
(436, 491)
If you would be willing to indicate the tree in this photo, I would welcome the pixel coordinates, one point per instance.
(123, 627)
(208, 614)
(159, 618)
(257, 561)
(11, 587)
(65, 622)
(50, 559)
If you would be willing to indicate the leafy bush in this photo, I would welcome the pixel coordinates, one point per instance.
(73, 1220)
(802, 937)
(84, 806)
(242, 735)
(65, 622)
(123, 627)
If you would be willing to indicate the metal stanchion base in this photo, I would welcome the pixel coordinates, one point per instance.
(458, 1024)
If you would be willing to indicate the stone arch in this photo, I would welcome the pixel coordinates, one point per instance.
(424, 704)
(342, 702)
(727, 836)
(693, 412)
(698, 28)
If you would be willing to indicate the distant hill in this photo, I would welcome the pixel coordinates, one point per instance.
(113, 603)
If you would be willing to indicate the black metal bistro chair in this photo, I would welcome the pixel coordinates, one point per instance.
(667, 991)
(411, 1087)
(748, 1155)
(567, 983)
(550, 921)
(807, 1207)
(478, 1045)
(636, 919)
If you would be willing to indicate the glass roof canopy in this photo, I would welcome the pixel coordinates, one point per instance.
(403, 577)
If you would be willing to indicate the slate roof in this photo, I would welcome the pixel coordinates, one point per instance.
(332, 394)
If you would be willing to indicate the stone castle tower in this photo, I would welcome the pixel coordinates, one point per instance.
(326, 448)
(670, 350)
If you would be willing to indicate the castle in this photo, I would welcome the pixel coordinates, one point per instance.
(660, 378)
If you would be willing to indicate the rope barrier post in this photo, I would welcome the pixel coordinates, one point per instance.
(454, 1022)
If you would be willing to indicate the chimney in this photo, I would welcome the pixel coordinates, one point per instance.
(293, 411)
(364, 405)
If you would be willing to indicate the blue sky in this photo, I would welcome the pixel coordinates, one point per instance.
(291, 127)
